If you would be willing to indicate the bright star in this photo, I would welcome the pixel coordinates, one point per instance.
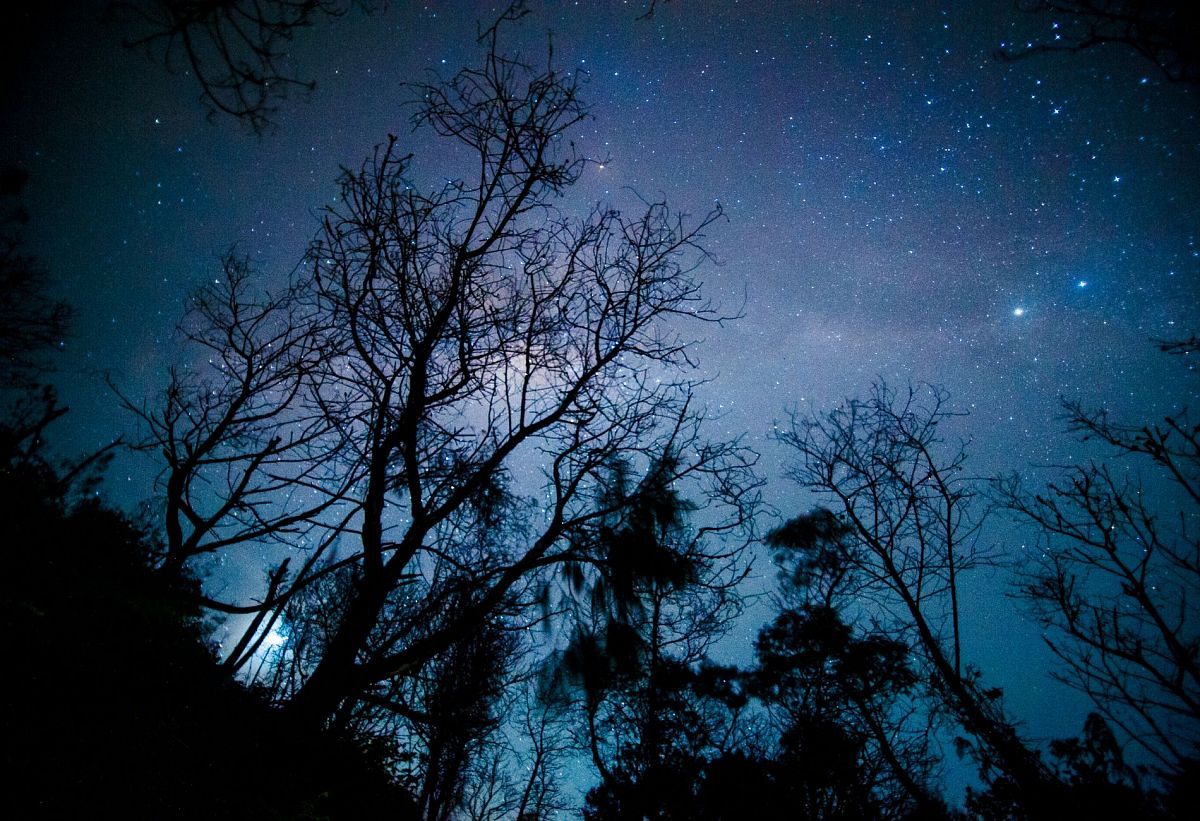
(1081, 283)
(1018, 312)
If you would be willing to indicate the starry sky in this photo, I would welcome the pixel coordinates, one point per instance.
(900, 205)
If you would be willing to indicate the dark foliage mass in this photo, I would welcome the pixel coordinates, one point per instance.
(31, 322)
(114, 698)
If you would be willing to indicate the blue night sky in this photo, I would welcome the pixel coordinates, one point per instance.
(899, 203)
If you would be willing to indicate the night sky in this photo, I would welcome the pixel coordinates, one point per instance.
(900, 204)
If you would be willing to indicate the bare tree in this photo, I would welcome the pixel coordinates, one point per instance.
(548, 745)
(1163, 31)
(464, 687)
(906, 504)
(1118, 586)
(1188, 346)
(519, 776)
(446, 348)
(249, 456)
(237, 50)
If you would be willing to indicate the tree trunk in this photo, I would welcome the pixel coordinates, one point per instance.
(336, 676)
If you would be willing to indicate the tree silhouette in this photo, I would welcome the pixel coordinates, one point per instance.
(465, 684)
(520, 773)
(653, 708)
(31, 322)
(237, 50)
(842, 697)
(1118, 584)
(901, 495)
(1163, 31)
(33, 325)
(437, 341)
(112, 694)
(237, 429)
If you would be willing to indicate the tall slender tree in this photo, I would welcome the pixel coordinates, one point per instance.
(906, 505)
